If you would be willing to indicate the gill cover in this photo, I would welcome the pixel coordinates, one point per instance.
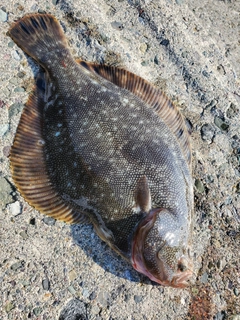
(160, 249)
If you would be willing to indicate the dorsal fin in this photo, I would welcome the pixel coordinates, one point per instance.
(28, 165)
(151, 95)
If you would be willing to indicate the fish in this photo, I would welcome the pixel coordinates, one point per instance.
(99, 144)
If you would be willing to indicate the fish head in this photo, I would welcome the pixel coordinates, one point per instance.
(160, 249)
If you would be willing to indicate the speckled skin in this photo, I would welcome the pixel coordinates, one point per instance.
(100, 142)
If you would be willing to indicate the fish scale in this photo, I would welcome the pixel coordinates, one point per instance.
(109, 148)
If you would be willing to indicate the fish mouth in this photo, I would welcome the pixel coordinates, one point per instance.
(180, 279)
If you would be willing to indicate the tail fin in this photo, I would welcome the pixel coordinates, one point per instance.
(38, 34)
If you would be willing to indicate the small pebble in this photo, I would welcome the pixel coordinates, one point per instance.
(10, 44)
(15, 208)
(41, 11)
(49, 221)
(37, 311)
(5, 192)
(103, 298)
(143, 47)
(117, 25)
(6, 151)
(204, 278)
(238, 188)
(16, 55)
(145, 63)
(71, 290)
(137, 299)
(46, 284)
(25, 283)
(209, 179)
(9, 306)
(236, 291)
(207, 132)
(194, 291)
(19, 89)
(75, 309)
(72, 275)
(13, 81)
(185, 54)
(164, 42)
(127, 297)
(93, 295)
(232, 111)
(32, 221)
(199, 186)
(221, 69)
(156, 60)
(220, 123)
(21, 74)
(205, 74)
(85, 293)
(24, 235)
(3, 16)
(17, 265)
(4, 129)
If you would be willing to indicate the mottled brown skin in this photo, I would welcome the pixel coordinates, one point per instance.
(101, 144)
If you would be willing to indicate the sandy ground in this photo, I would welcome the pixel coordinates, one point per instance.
(191, 50)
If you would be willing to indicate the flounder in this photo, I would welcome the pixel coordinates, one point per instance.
(100, 144)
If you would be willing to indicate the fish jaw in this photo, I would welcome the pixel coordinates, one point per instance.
(156, 258)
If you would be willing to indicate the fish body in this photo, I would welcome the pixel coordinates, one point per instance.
(101, 144)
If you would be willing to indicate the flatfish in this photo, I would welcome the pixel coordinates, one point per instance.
(97, 143)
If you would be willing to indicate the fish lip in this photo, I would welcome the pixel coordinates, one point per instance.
(180, 279)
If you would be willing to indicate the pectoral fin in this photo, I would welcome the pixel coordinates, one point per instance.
(142, 195)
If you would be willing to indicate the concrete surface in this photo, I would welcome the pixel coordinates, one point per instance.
(191, 49)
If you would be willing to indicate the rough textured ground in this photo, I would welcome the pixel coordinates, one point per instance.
(191, 49)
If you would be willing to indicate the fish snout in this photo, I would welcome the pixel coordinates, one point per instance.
(181, 279)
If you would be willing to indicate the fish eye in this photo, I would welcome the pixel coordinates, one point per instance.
(182, 267)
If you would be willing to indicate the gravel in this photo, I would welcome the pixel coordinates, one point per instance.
(190, 50)
(46, 284)
(3, 16)
(14, 208)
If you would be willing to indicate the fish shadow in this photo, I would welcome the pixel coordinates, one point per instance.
(85, 237)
